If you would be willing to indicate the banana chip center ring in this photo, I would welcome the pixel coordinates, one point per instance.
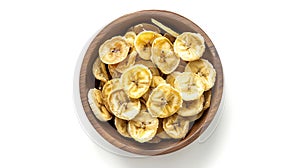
(152, 85)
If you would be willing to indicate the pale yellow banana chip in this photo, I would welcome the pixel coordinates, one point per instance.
(190, 108)
(130, 37)
(161, 133)
(205, 70)
(113, 72)
(96, 103)
(123, 106)
(156, 80)
(114, 50)
(150, 65)
(189, 85)
(194, 117)
(122, 126)
(163, 56)
(110, 86)
(176, 126)
(143, 43)
(136, 81)
(143, 127)
(164, 101)
(189, 46)
(128, 62)
(171, 77)
(99, 70)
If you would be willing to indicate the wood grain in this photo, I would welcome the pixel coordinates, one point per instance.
(87, 81)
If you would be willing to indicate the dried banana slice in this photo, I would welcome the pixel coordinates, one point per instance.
(128, 62)
(136, 81)
(190, 108)
(150, 65)
(143, 43)
(144, 27)
(99, 70)
(176, 126)
(207, 97)
(143, 127)
(130, 37)
(194, 117)
(163, 56)
(189, 46)
(112, 71)
(123, 106)
(95, 100)
(164, 101)
(114, 50)
(110, 86)
(189, 85)
(121, 126)
(205, 70)
(171, 77)
(161, 133)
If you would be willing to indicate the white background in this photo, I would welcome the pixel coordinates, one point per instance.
(258, 42)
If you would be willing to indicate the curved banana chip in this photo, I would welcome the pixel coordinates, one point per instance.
(121, 126)
(207, 97)
(164, 101)
(130, 37)
(163, 56)
(96, 103)
(190, 85)
(112, 71)
(150, 65)
(110, 86)
(205, 70)
(144, 27)
(161, 133)
(171, 77)
(194, 117)
(123, 106)
(156, 80)
(189, 46)
(143, 43)
(190, 108)
(114, 50)
(128, 62)
(176, 126)
(136, 81)
(99, 70)
(143, 127)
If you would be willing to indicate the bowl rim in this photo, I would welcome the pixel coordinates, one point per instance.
(181, 144)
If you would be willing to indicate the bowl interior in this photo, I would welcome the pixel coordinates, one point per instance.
(87, 81)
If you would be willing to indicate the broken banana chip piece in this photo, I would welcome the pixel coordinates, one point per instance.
(99, 70)
(205, 70)
(136, 81)
(123, 106)
(143, 127)
(114, 50)
(163, 56)
(189, 46)
(121, 126)
(164, 101)
(143, 43)
(176, 126)
(95, 100)
(189, 85)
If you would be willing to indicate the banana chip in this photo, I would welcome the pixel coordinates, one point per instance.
(189, 46)
(99, 70)
(136, 81)
(123, 106)
(189, 85)
(190, 108)
(207, 97)
(114, 50)
(150, 65)
(194, 117)
(164, 101)
(171, 77)
(205, 70)
(156, 80)
(121, 126)
(161, 133)
(128, 62)
(130, 37)
(95, 100)
(112, 71)
(176, 126)
(143, 43)
(163, 55)
(143, 127)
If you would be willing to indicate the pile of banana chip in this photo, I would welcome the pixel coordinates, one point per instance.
(152, 85)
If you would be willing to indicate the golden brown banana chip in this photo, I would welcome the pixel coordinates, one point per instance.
(143, 43)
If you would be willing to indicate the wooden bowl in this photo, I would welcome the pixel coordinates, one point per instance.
(87, 81)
